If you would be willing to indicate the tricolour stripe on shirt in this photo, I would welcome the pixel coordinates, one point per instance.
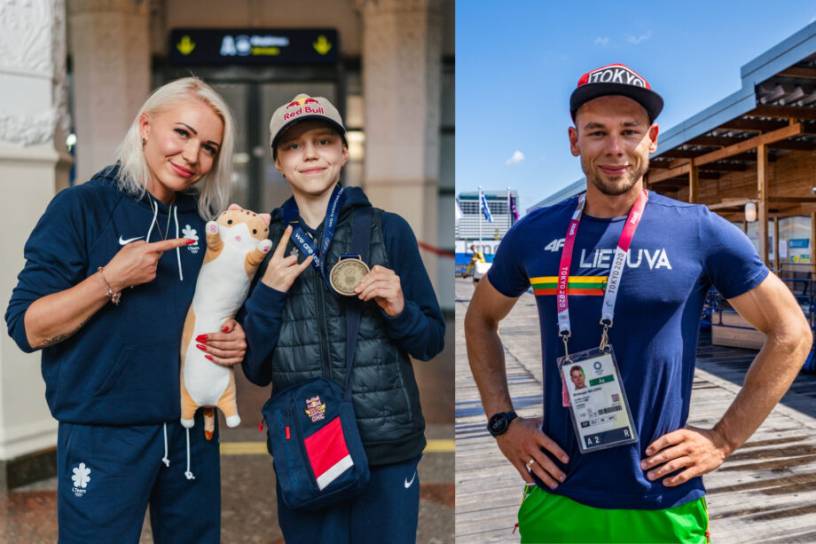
(577, 285)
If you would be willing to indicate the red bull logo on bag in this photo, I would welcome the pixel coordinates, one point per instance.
(315, 409)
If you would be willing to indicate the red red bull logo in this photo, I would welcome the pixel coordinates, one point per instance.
(303, 105)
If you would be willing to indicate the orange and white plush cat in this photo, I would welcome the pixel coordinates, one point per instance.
(236, 244)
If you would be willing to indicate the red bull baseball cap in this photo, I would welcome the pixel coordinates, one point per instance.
(304, 108)
(616, 79)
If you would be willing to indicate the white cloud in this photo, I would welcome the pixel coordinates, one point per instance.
(603, 41)
(635, 40)
(517, 157)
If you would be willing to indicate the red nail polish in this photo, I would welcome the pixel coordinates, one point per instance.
(201, 338)
(202, 348)
(224, 329)
(190, 242)
(209, 357)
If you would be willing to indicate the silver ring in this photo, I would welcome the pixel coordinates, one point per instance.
(530, 464)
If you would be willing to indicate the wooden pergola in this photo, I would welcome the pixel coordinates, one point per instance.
(763, 155)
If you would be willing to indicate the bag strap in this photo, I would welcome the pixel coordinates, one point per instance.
(360, 241)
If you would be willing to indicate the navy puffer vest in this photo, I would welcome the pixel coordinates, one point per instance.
(312, 344)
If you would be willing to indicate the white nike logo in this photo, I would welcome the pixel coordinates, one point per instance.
(409, 484)
(123, 242)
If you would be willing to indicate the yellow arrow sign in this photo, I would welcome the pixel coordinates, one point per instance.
(185, 45)
(322, 45)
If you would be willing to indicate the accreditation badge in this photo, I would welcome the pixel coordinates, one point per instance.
(598, 406)
(346, 274)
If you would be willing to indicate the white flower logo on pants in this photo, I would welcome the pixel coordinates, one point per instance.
(81, 477)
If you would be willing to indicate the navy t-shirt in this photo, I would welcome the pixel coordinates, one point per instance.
(678, 252)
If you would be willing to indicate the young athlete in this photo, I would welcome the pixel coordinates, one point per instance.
(295, 324)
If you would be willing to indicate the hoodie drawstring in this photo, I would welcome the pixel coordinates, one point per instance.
(154, 221)
(178, 251)
(165, 459)
(188, 474)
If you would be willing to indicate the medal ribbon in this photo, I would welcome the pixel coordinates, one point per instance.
(305, 243)
(615, 271)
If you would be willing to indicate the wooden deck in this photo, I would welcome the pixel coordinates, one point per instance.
(765, 492)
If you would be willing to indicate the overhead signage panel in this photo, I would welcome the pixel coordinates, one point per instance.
(252, 46)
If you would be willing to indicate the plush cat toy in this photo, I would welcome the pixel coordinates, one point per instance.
(236, 244)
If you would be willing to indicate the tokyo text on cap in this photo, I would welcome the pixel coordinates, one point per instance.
(304, 108)
(616, 79)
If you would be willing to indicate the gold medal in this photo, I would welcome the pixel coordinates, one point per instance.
(347, 274)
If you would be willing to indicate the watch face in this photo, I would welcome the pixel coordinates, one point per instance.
(498, 424)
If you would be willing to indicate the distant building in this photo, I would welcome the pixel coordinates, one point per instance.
(497, 202)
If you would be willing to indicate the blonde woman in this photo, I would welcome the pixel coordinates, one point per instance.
(110, 272)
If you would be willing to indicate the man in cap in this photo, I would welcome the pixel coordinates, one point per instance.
(295, 323)
(620, 275)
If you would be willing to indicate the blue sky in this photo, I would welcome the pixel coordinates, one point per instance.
(517, 63)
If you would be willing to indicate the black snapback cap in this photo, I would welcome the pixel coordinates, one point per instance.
(616, 79)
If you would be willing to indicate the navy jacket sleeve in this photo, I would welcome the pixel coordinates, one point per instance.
(261, 318)
(55, 260)
(420, 328)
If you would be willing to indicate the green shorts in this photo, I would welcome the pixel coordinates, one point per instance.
(544, 517)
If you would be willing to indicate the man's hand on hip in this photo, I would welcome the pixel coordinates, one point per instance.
(693, 450)
(524, 442)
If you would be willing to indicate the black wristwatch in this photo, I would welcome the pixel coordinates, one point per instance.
(500, 422)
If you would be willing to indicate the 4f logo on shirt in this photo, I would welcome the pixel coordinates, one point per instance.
(555, 246)
(81, 477)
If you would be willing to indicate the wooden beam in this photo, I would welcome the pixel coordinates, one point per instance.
(801, 72)
(793, 145)
(668, 173)
(762, 195)
(680, 154)
(751, 143)
(753, 125)
(791, 199)
(709, 175)
(694, 183)
(730, 203)
(719, 141)
(725, 166)
(785, 112)
(790, 211)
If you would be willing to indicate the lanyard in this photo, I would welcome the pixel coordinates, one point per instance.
(615, 272)
(305, 243)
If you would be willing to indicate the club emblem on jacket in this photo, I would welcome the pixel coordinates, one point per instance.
(192, 234)
(315, 409)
